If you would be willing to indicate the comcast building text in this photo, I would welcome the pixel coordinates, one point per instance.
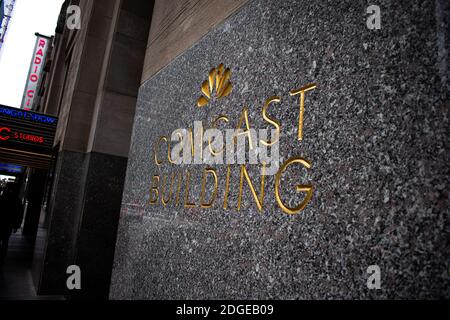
(236, 147)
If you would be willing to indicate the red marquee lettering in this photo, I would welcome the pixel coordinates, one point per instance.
(7, 130)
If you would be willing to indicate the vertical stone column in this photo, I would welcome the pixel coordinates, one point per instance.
(84, 54)
(109, 146)
(96, 124)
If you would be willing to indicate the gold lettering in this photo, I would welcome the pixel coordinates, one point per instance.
(177, 202)
(302, 93)
(191, 137)
(154, 190)
(163, 187)
(300, 188)
(214, 126)
(196, 136)
(244, 117)
(273, 122)
(214, 195)
(158, 144)
(259, 201)
(188, 204)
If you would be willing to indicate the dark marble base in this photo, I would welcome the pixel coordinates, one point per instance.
(83, 223)
(94, 252)
(64, 220)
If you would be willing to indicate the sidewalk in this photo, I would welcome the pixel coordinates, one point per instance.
(15, 277)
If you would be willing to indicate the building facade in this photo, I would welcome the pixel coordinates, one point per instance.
(359, 106)
(92, 87)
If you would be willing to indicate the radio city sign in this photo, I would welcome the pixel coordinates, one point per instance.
(35, 72)
(233, 146)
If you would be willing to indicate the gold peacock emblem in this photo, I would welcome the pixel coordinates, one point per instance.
(218, 83)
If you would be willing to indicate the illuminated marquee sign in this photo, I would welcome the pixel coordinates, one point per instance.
(27, 115)
(36, 71)
(176, 190)
(26, 138)
(9, 168)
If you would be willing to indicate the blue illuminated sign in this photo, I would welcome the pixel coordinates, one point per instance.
(25, 115)
(26, 138)
(10, 168)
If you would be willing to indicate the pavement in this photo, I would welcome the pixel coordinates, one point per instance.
(16, 282)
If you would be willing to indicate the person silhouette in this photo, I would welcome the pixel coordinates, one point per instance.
(11, 216)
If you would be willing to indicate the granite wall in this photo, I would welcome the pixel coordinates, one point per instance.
(84, 217)
(66, 204)
(376, 135)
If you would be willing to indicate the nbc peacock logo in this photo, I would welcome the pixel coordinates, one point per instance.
(218, 85)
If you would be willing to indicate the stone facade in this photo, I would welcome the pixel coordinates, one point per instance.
(375, 133)
(92, 88)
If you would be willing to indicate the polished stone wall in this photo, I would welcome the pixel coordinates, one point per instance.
(83, 224)
(375, 132)
(96, 238)
(66, 200)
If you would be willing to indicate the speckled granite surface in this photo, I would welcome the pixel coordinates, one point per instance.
(376, 133)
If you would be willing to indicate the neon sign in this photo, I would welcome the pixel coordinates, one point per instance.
(26, 138)
(35, 72)
(2, 130)
(26, 131)
(21, 114)
(7, 134)
(10, 168)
